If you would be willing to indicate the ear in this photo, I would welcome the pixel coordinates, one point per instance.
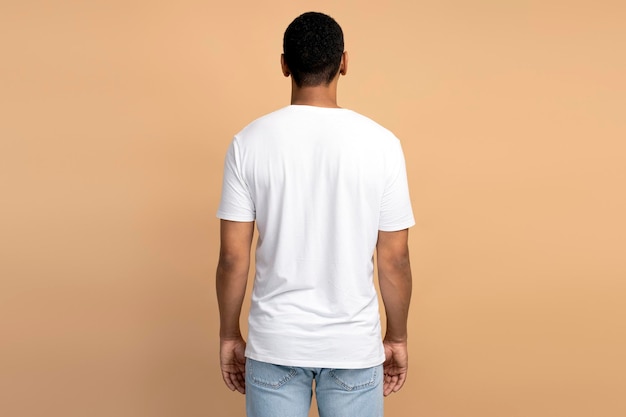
(283, 66)
(343, 67)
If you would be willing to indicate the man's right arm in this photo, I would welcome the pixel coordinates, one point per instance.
(394, 276)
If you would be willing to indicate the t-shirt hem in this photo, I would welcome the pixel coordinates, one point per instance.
(234, 218)
(307, 363)
(396, 227)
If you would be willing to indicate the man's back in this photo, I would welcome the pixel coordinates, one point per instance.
(320, 183)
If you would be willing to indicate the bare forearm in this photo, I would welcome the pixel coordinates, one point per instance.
(395, 287)
(231, 288)
(232, 274)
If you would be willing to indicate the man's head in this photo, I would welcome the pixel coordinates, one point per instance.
(312, 49)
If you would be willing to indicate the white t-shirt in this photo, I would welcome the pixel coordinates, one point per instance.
(320, 183)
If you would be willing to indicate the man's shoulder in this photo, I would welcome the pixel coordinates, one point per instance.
(313, 118)
(370, 123)
(264, 121)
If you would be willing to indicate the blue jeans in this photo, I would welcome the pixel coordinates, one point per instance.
(285, 391)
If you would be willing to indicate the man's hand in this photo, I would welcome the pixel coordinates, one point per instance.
(233, 363)
(395, 366)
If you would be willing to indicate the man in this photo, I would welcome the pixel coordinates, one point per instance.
(326, 187)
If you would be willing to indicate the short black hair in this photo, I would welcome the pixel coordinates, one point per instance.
(313, 46)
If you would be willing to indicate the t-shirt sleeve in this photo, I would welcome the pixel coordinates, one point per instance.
(396, 212)
(236, 204)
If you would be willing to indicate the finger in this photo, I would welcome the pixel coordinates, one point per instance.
(400, 383)
(385, 385)
(239, 382)
(389, 385)
(227, 380)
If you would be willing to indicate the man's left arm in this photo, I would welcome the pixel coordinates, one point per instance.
(231, 280)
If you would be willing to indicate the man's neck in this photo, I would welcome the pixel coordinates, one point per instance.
(319, 96)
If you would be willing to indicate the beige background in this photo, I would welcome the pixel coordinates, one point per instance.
(114, 119)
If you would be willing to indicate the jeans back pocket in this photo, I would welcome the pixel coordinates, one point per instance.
(355, 379)
(269, 375)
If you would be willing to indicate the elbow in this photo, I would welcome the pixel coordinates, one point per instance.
(395, 266)
(232, 262)
(395, 260)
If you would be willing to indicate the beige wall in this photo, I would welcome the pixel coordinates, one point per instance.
(114, 119)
